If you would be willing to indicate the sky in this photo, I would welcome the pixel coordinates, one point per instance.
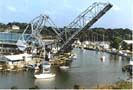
(62, 12)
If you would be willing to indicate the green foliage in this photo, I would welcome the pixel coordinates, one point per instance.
(118, 85)
(3, 26)
(125, 46)
(96, 34)
(21, 25)
(115, 42)
(122, 85)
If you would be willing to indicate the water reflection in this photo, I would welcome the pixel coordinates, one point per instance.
(113, 58)
(44, 83)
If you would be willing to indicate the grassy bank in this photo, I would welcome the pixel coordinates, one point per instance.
(118, 85)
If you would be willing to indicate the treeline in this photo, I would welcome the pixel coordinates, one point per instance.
(100, 34)
(8, 25)
(114, 36)
(46, 31)
(93, 34)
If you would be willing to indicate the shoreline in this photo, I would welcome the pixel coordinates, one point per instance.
(122, 84)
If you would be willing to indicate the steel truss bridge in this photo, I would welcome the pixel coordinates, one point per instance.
(66, 37)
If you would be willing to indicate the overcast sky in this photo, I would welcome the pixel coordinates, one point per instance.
(63, 12)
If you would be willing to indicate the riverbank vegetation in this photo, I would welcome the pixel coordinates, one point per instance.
(118, 85)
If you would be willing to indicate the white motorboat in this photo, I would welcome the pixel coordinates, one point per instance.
(120, 52)
(64, 67)
(45, 75)
(125, 54)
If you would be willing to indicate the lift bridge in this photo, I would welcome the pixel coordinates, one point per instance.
(81, 23)
(66, 37)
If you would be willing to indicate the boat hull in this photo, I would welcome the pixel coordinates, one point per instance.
(64, 67)
(44, 76)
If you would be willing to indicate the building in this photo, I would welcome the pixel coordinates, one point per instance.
(128, 46)
(15, 27)
(8, 43)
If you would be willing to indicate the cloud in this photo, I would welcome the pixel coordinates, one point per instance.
(116, 8)
(11, 8)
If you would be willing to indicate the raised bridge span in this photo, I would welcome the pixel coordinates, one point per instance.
(82, 22)
(66, 37)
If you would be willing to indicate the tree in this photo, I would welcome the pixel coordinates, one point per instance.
(115, 42)
(124, 46)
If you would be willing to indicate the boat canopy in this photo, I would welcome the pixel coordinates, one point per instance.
(46, 65)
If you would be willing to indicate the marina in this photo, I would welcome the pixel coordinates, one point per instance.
(88, 71)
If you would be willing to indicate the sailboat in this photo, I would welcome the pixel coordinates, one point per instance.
(46, 74)
(103, 56)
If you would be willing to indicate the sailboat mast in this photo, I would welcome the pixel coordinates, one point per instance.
(103, 38)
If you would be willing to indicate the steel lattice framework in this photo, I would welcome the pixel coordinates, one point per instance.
(35, 27)
(65, 38)
(82, 22)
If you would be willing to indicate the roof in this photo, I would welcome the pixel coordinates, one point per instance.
(128, 41)
(18, 57)
(131, 62)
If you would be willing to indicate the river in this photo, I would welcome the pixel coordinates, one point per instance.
(88, 71)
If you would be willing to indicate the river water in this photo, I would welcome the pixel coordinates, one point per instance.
(88, 71)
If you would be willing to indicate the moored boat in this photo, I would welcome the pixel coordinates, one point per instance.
(44, 75)
(64, 67)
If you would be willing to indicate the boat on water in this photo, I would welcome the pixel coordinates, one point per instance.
(46, 73)
(120, 53)
(64, 67)
(128, 68)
